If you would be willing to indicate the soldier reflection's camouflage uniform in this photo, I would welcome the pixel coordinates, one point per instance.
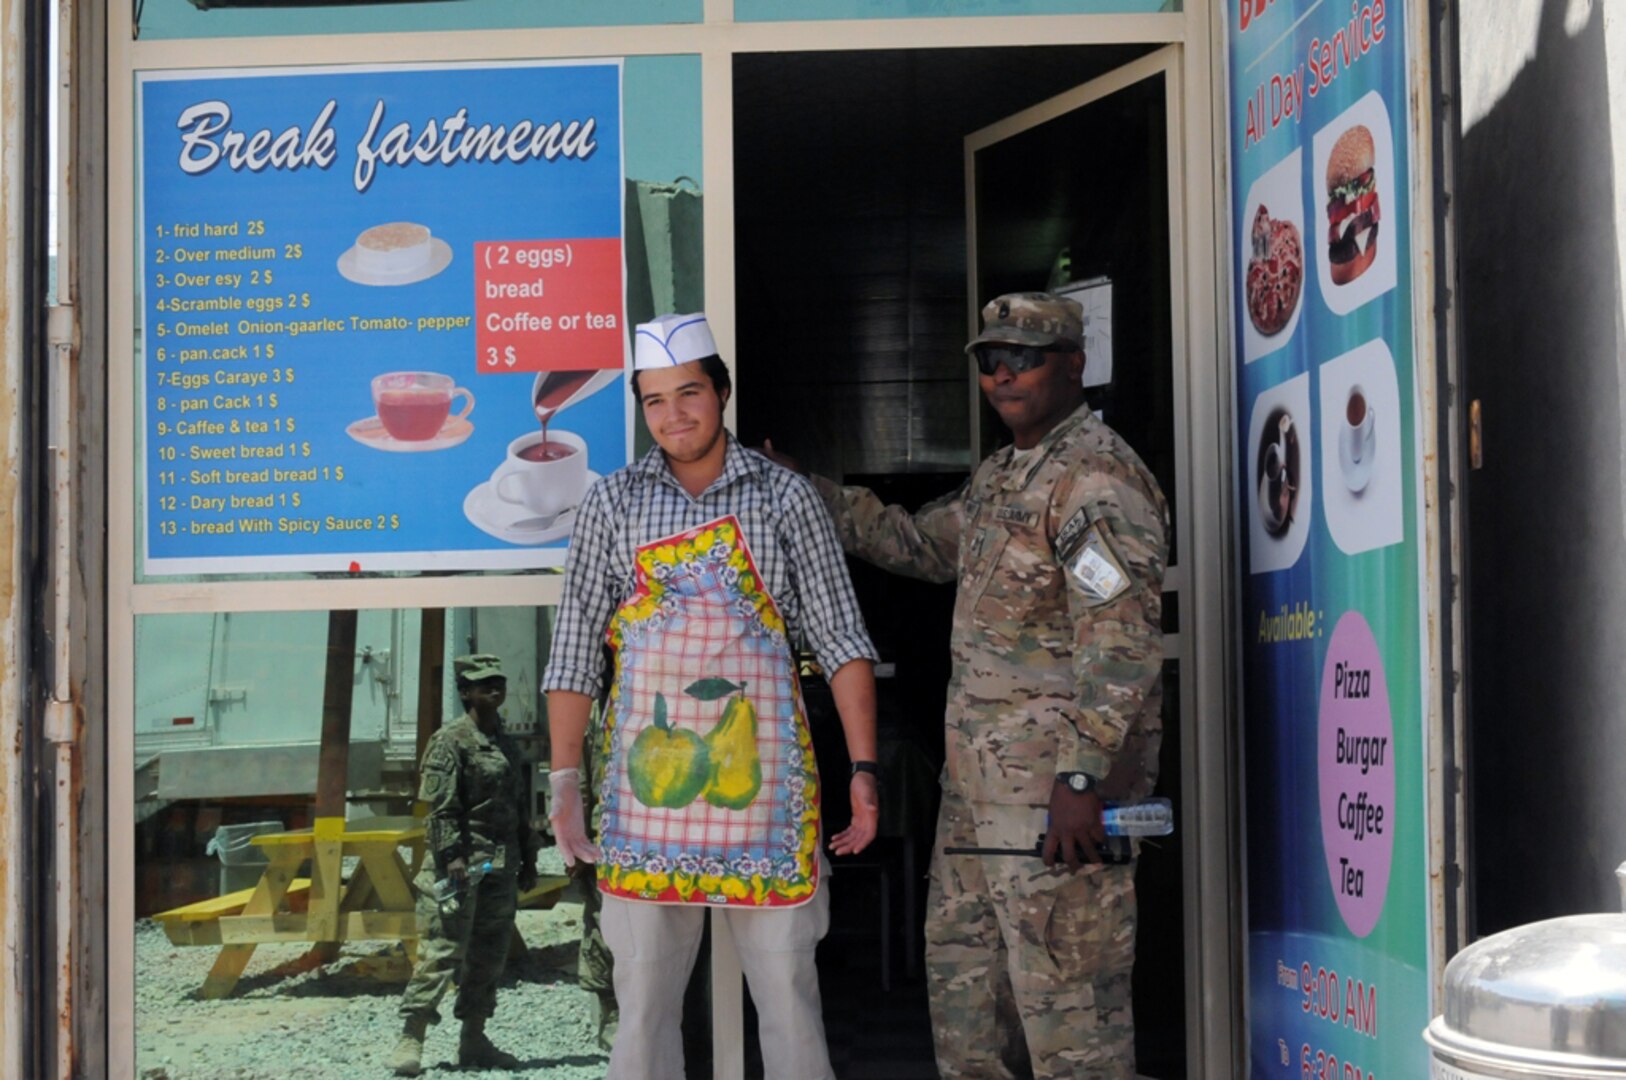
(595, 967)
(1026, 962)
(474, 786)
(477, 790)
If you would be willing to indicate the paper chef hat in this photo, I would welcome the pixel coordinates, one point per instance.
(672, 340)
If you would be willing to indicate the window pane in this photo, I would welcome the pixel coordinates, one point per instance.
(235, 974)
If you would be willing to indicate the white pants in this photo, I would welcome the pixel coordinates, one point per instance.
(654, 946)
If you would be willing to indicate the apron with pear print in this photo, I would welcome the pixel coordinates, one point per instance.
(711, 794)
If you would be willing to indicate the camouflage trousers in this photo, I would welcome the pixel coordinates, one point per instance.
(469, 946)
(1028, 968)
(595, 967)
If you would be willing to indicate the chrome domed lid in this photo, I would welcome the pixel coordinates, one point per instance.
(1552, 991)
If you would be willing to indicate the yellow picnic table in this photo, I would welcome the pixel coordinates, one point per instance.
(376, 904)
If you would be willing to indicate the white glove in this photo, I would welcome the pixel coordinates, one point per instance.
(569, 822)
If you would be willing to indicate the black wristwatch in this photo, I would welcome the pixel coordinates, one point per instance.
(867, 766)
(1077, 782)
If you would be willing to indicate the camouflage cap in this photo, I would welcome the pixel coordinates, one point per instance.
(1031, 318)
(478, 666)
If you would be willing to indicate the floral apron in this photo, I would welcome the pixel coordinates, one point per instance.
(711, 794)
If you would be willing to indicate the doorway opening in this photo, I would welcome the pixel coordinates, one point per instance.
(856, 274)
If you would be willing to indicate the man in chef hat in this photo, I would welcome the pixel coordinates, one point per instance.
(701, 564)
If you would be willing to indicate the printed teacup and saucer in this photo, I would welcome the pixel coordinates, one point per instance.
(412, 413)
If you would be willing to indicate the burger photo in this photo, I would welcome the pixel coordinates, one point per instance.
(1352, 206)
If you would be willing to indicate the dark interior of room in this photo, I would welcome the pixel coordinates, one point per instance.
(851, 269)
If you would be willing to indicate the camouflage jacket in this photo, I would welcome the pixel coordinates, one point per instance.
(1057, 639)
(478, 792)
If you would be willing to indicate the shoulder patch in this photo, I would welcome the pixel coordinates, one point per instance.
(1071, 534)
(1095, 567)
(438, 771)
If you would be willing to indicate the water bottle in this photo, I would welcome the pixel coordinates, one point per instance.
(447, 891)
(1144, 817)
(1120, 821)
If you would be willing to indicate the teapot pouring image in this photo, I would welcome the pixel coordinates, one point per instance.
(554, 391)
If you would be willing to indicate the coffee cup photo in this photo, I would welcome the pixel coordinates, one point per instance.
(413, 406)
(1360, 419)
(1363, 472)
(544, 474)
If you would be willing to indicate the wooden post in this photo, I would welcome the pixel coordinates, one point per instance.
(332, 777)
(431, 673)
(338, 691)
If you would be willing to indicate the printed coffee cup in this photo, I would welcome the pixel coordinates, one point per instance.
(544, 474)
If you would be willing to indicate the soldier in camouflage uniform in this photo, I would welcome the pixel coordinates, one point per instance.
(1058, 545)
(477, 790)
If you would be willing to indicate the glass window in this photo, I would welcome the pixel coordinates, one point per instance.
(274, 934)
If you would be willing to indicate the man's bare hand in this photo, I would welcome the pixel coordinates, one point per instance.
(784, 461)
(1076, 835)
(866, 800)
(457, 872)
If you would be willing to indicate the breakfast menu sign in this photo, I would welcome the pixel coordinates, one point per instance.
(1330, 516)
(382, 314)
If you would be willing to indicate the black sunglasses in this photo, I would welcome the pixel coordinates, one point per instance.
(1017, 358)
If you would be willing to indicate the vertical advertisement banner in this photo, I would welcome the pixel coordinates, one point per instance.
(382, 314)
(1334, 675)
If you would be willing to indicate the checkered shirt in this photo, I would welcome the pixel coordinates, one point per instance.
(782, 518)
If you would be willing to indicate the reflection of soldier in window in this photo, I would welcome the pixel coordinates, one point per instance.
(595, 967)
(481, 853)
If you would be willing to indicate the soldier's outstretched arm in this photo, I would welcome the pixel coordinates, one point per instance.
(925, 544)
(1111, 543)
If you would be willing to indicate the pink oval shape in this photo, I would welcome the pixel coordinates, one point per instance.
(1355, 752)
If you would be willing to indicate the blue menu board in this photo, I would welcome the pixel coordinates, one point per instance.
(1335, 689)
(362, 292)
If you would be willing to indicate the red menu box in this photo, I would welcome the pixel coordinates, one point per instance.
(548, 305)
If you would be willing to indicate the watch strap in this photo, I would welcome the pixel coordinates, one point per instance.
(1079, 782)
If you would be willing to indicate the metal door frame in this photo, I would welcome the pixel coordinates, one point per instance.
(1212, 931)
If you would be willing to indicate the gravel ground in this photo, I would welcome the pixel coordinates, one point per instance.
(339, 1020)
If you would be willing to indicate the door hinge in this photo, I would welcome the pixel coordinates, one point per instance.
(61, 329)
